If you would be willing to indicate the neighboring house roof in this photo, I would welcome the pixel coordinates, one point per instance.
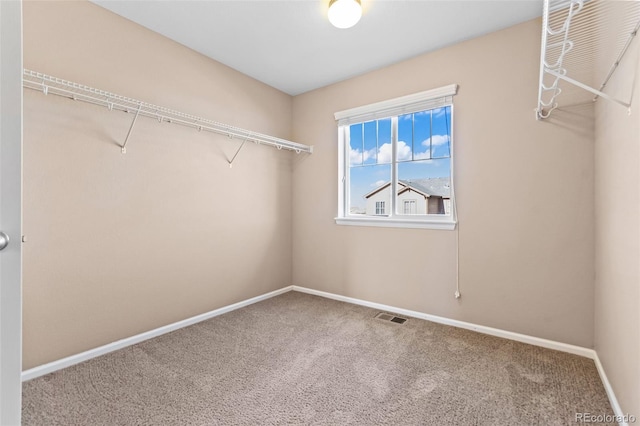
(435, 186)
(438, 187)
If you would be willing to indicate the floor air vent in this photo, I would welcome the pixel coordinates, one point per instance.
(390, 318)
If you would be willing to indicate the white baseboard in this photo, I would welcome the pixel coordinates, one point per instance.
(92, 353)
(536, 341)
(617, 410)
(550, 344)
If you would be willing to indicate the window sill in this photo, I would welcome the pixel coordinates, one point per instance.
(447, 224)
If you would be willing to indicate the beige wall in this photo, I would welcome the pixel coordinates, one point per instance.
(526, 261)
(617, 194)
(121, 244)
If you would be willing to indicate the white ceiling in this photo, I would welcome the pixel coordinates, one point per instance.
(291, 45)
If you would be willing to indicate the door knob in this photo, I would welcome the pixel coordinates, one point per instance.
(4, 240)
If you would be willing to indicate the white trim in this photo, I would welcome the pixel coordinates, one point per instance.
(11, 133)
(343, 169)
(415, 102)
(394, 222)
(617, 410)
(536, 341)
(422, 101)
(41, 370)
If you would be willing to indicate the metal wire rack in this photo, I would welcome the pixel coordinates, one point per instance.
(571, 33)
(57, 86)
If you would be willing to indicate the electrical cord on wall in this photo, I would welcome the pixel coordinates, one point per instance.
(454, 209)
(457, 293)
(454, 212)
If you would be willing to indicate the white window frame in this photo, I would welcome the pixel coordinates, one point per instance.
(381, 208)
(393, 108)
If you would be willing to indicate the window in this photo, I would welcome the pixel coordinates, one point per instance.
(395, 162)
(409, 207)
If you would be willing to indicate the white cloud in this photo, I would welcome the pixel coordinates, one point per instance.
(404, 151)
(422, 155)
(384, 155)
(436, 140)
(356, 156)
(378, 183)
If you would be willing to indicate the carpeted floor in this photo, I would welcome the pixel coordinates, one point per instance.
(302, 359)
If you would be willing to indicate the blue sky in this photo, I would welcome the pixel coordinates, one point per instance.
(423, 151)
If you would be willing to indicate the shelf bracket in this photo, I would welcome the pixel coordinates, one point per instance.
(587, 88)
(133, 123)
(619, 58)
(236, 154)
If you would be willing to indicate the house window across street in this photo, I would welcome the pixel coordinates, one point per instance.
(409, 207)
(395, 162)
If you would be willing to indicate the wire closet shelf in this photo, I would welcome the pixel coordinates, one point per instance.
(571, 33)
(57, 86)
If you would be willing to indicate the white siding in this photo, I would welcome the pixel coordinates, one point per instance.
(383, 195)
(421, 201)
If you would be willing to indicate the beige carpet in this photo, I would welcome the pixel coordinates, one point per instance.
(301, 359)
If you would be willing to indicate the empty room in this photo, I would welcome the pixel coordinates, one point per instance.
(328, 212)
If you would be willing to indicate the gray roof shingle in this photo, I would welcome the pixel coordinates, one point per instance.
(440, 187)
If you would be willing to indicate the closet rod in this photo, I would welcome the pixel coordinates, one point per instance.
(57, 86)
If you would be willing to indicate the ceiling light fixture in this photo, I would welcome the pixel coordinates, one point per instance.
(344, 13)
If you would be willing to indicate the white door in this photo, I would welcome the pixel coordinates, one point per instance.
(10, 211)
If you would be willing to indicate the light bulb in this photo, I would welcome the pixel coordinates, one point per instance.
(344, 13)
